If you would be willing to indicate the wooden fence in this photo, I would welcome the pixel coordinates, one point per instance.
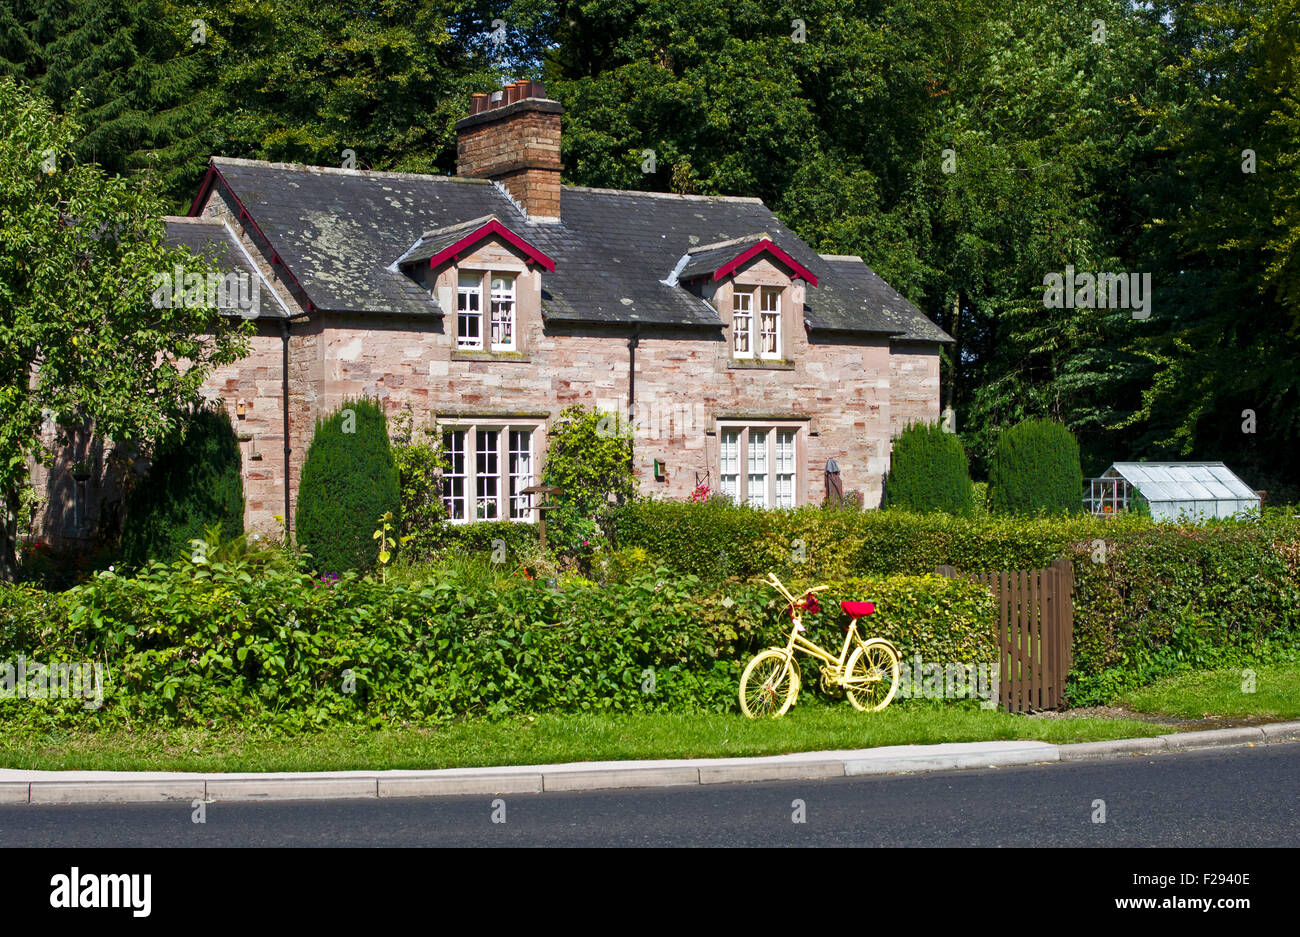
(1035, 632)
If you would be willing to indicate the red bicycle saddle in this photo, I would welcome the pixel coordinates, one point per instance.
(858, 609)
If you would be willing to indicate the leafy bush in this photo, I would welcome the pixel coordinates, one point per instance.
(1035, 470)
(1153, 599)
(420, 464)
(195, 481)
(929, 472)
(348, 480)
(589, 455)
(193, 643)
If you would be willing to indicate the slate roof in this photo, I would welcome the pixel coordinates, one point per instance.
(341, 233)
(212, 239)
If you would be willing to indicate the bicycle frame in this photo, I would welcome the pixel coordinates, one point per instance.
(800, 643)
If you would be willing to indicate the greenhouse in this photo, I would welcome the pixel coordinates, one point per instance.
(1174, 491)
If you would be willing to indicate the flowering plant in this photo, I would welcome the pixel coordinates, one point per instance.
(700, 494)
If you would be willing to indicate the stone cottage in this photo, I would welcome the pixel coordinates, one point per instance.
(486, 303)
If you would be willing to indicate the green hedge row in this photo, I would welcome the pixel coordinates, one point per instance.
(220, 643)
(1150, 599)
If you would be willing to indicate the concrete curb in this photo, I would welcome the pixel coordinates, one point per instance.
(101, 787)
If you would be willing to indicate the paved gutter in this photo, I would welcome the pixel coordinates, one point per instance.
(98, 787)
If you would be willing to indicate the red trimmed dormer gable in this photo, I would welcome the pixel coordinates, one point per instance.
(714, 262)
(450, 244)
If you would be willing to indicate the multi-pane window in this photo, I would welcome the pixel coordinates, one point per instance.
(742, 322)
(729, 474)
(785, 469)
(487, 475)
(521, 473)
(455, 475)
(756, 330)
(469, 311)
(769, 324)
(489, 466)
(756, 463)
(501, 306)
(503, 313)
(770, 475)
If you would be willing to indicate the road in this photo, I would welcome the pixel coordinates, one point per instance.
(1224, 797)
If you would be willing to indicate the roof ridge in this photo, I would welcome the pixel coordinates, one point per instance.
(447, 229)
(191, 219)
(699, 198)
(337, 171)
(733, 242)
(845, 257)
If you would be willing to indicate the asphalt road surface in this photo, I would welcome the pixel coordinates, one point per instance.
(1224, 797)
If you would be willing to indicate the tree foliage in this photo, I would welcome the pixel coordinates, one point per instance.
(81, 343)
(195, 481)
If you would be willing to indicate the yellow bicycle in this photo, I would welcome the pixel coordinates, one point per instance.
(867, 671)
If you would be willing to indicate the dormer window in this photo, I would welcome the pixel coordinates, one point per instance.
(769, 324)
(761, 332)
(742, 322)
(469, 311)
(503, 313)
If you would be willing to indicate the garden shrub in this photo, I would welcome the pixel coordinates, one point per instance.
(589, 455)
(196, 643)
(928, 471)
(1035, 469)
(195, 480)
(420, 464)
(1154, 599)
(349, 480)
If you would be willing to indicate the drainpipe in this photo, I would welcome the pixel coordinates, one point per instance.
(631, 383)
(284, 393)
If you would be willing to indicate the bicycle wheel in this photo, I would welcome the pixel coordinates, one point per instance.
(769, 684)
(872, 676)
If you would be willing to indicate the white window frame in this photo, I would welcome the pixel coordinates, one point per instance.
(508, 300)
(464, 291)
(764, 294)
(508, 482)
(745, 330)
(749, 321)
(734, 463)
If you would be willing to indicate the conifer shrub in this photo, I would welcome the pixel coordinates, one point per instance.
(1035, 470)
(349, 480)
(929, 472)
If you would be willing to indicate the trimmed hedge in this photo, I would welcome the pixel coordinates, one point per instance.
(192, 644)
(349, 480)
(1150, 599)
(1035, 470)
(195, 481)
(929, 472)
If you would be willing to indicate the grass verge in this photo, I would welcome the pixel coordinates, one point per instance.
(542, 739)
(1275, 693)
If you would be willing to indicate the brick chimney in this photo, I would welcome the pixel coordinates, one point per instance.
(513, 137)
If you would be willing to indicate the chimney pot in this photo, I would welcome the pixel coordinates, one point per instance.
(512, 94)
(478, 103)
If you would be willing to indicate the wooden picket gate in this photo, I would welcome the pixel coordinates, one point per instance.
(1035, 632)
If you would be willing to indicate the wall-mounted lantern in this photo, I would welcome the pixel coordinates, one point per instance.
(241, 408)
